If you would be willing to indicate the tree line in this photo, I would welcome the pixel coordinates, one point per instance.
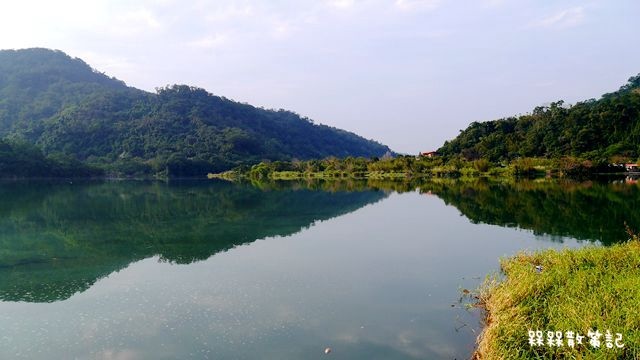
(606, 130)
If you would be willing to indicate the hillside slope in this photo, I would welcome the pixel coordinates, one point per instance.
(604, 130)
(65, 107)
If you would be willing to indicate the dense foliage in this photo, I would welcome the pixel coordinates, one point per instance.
(64, 107)
(407, 166)
(603, 130)
(22, 160)
(350, 167)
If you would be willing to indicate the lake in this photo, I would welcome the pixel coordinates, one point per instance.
(209, 269)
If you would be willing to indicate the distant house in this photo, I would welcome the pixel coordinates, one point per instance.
(430, 154)
(631, 167)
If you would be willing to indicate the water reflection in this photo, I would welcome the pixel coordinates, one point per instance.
(57, 239)
(382, 282)
(593, 211)
(584, 210)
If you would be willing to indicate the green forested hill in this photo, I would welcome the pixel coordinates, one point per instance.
(71, 111)
(35, 84)
(22, 160)
(607, 129)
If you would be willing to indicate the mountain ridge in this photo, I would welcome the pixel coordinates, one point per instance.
(64, 107)
(604, 130)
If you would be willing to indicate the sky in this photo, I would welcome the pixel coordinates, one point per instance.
(407, 73)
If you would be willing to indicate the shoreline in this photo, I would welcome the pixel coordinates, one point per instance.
(399, 175)
(568, 292)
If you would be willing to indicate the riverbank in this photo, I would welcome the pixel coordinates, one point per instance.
(411, 167)
(570, 293)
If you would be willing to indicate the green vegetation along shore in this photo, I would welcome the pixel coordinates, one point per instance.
(572, 293)
(407, 166)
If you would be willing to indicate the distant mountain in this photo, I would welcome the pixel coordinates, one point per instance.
(603, 130)
(67, 109)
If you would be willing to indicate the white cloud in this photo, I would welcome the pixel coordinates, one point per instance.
(418, 4)
(283, 29)
(32, 23)
(341, 4)
(209, 42)
(139, 20)
(493, 3)
(230, 13)
(117, 23)
(562, 19)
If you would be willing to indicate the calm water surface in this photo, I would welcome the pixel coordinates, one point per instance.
(149, 270)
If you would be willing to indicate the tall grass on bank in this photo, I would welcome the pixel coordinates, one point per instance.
(592, 288)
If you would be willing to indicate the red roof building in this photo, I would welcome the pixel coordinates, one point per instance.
(430, 154)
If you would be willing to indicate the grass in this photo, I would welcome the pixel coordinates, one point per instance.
(592, 288)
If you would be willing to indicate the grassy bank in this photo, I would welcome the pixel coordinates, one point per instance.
(593, 288)
(400, 167)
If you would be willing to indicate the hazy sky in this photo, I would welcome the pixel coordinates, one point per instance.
(408, 73)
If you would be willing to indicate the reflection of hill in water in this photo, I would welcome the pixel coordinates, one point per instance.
(58, 239)
(585, 211)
